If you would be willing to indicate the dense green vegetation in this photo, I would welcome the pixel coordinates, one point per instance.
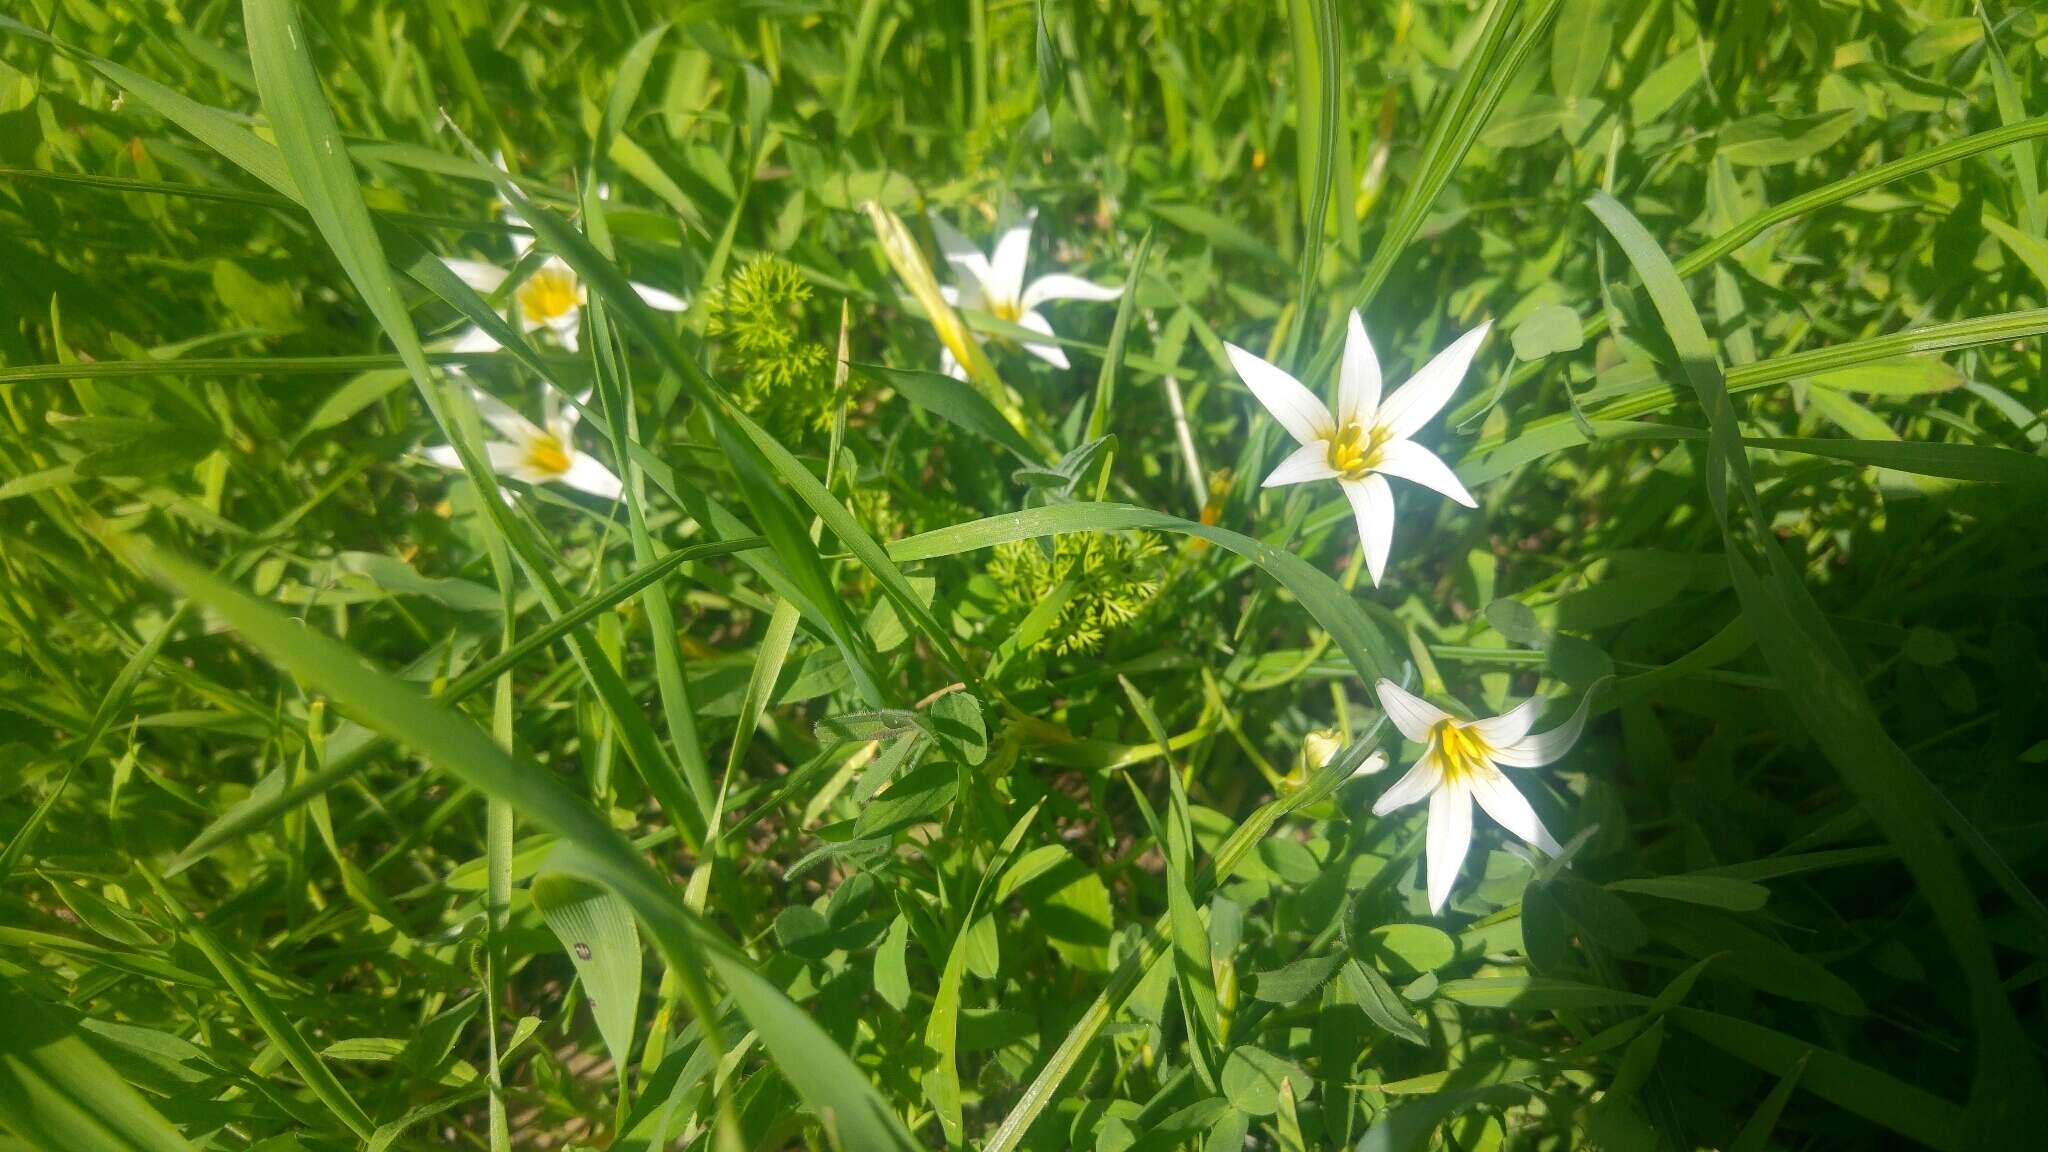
(630, 575)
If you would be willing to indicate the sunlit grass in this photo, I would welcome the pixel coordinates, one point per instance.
(619, 576)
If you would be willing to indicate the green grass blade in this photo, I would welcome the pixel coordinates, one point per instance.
(268, 1016)
(1805, 655)
(59, 1095)
(817, 1067)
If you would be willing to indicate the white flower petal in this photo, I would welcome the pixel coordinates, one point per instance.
(1050, 353)
(1358, 382)
(656, 298)
(1373, 765)
(474, 339)
(1006, 266)
(1411, 461)
(1372, 503)
(477, 274)
(1419, 400)
(960, 252)
(1539, 748)
(505, 459)
(568, 328)
(522, 241)
(501, 416)
(1295, 407)
(950, 364)
(1060, 286)
(1450, 836)
(1413, 715)
(1308, 462)
(1511, 725)
(1511, 810)
(587, 474)
(1419, 781)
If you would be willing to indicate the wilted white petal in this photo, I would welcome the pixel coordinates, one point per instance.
(1006, 266)
(588, 475)
(1050, 353)
(1450, 835)
(1358, 382)
(1411, 461)
(1511, 725)
(1413, 715)
(477, 274)
(1372, 503)
(1419, 400)
(656, 298)
(1418, 782)
(1539, 748)
(1308, 462)
(1060, 286)
(1511, 810)
(960, 252)
(1295, 407)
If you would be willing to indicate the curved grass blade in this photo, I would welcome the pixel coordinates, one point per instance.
(941, 1033)
(1981, 463)
(1807, 659)
(59, 1095)
(1369, 649)
(345, 757)
(821, 1072)
(267, 1015)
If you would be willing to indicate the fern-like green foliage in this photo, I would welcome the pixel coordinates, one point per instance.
(1116, 578)
(763, 317)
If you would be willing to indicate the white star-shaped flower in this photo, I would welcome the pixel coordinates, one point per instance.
(1461, 763)
(1366, 440)
(995, 285)
(536, 453)
(551, 298)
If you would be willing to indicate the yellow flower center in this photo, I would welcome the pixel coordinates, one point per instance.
(1005, 310)
(548, 295)
(1463, 752)
(1355, 451)
(549, 455)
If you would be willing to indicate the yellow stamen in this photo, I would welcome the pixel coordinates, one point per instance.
(549, 455)
(1462, 752)
(1005, 310)
(1355, 452)
(548, 294)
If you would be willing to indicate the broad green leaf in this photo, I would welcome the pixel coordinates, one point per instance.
(596, 930)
